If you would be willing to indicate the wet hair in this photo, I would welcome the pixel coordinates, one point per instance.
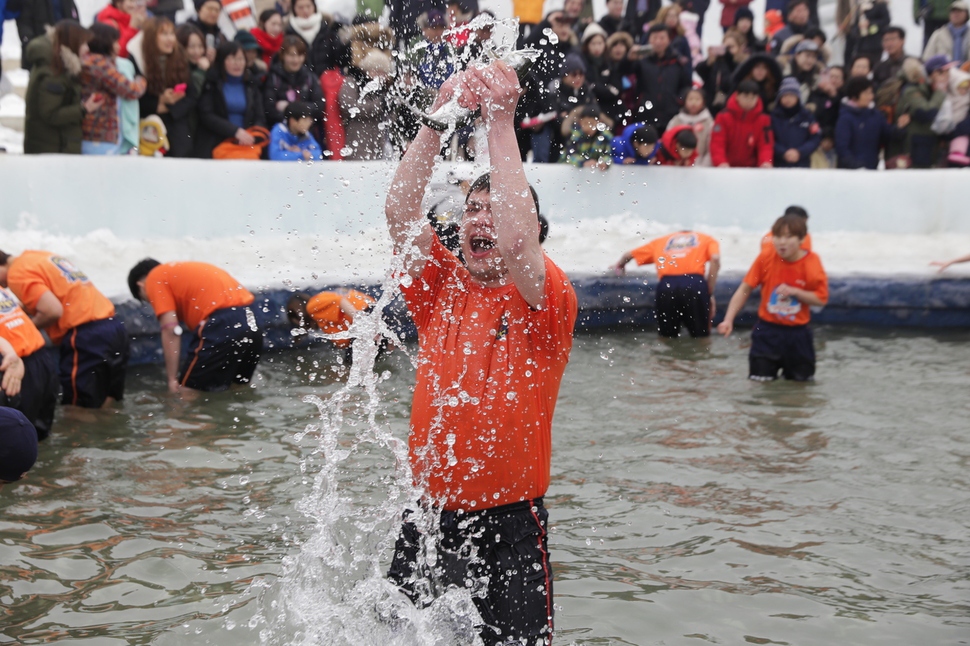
(893, 29)
(644, 135)
(795, 226)
(185, 31)
(296, 309)
(139, 272)
(297, 110)
(484, 183)
(293, 42)
(748, 87)
(103, 39)
(794, 209)
(225, 50)
(266, 14)
(686, 139)
(70, 34)
(856, 85)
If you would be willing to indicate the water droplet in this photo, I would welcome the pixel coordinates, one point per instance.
(300, 193)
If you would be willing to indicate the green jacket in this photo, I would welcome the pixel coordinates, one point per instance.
(935, 9)
(52, 122)
(921, 103)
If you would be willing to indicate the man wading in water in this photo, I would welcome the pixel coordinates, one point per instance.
(494, 338)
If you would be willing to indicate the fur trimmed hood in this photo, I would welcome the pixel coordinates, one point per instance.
(72, 62)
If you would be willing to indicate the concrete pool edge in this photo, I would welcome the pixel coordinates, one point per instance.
(626, 302)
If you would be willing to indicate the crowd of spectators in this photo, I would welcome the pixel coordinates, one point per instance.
(294, 82)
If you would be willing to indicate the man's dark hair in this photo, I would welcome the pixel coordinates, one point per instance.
(793, 224)
(794, 3)
(686, 139)
(297, 110)
(814, 32)
(893, 29)
(590, 111)
(4, 257)
(543, 228)
(103, 39)
(794, 209)
(139, 272)
(644, 135)
(656, 29)
(484, 183)
(748, 87)
(856, 86)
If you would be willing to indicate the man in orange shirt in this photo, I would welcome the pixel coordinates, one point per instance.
(768, 247)
(35, 392)
(494, 337)
(224, 341)
(62, 301)
(685, 289)
(791, 280)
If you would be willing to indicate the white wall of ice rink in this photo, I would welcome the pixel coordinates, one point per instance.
(139, 198)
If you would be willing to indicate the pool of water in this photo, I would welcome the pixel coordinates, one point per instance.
(687, 504)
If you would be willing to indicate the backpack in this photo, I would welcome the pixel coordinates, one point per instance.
(231, 149)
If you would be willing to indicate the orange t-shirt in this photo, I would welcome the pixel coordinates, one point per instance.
(16, 327)
(769, 271)
(325, 310)
(193, 290)
(34, 273)
(489, 369)
(767, 246)
(678, 254)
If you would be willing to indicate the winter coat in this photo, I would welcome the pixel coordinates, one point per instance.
(178, 121)
(623, 148)
(365, 119)
(783, 34)
(581, 148)
(956, 105)
(825, 107)
(665, 155)
(887, 70)
(718, 80)
(663, 83)
(702, 124)
(868, 43)
(214, 124)
(859, 135)
(729, 9)
(794, 128)
(742, 139)
(281, 85)
(934, 9)
(921, 103)
(53, 117)
(941, 44)
(37, 15)
(100, 74)
(616, 89)
(325, 51)
(211, 34)
(807, 81)
(128, 112)
(112, 15)
(280, 135)
(769, 86)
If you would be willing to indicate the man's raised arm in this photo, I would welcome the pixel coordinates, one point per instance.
(513, 209)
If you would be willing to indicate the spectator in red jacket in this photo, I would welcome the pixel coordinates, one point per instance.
(127, 17)
(742, 135)
(678, 147)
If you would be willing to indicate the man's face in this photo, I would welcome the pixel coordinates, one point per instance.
(892, 44)
(799, 15)
(478, 239)
(787, 245)
(615, 8)
(747, 101)
(659, 42)
(958, 17)
(562, 25)
(209, 13)
(573, 8)
(939, 77)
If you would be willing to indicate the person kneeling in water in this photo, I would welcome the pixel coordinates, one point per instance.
(225, 342)
(791, 280)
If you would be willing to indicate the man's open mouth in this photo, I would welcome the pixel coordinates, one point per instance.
(480, 244)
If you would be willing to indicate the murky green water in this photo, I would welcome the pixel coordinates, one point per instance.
(688, 505)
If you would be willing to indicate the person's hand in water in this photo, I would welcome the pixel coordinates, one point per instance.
(495, 88)
(13, 374)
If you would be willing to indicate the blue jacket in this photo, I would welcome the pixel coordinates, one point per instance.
(795, 128)
(859, 135)
(623, 147)
(281, 135)
(7, 12)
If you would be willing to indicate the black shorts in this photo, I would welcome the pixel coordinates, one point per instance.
(94, 358)
(683, 301)
(223, 350)
(499, 554)
(789, 348)
(38, 391)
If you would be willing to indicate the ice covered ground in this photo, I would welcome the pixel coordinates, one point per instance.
(585, 248)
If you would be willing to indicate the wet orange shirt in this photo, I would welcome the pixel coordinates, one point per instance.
(678, 254)
(489, 369)
(34, 273)
(16, 327)
(767, 246)
(769, 271)
(325, 310)
(193, 290)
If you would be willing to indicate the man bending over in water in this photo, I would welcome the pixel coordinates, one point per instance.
(494, 337)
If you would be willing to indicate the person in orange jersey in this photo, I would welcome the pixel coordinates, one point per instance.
(330, 312)
(62, 301)
(34, 393)
(768, 247)
(225, 342)
(791, 280)
(494, 335)
(687, 265)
